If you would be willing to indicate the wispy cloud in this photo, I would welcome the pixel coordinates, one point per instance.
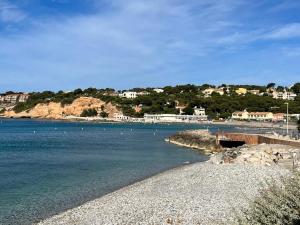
(10, 12)
(287, 31)
(138, 42)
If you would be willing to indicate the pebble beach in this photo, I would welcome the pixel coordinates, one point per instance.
(200, 193)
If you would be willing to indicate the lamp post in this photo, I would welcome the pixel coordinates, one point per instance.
(287, 118)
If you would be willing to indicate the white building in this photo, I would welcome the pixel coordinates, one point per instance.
(199, 111)
(254, 92)
(285, 95)
(121, 117)
(128, 94)
(14, 98)
(11, 98)
(240, 115)
(208, 92)
(158, 90)
(23, 97)
(258, 116)
(173, 118)
(143, 93)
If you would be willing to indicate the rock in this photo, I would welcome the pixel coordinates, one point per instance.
(196, 139)
(257, 154)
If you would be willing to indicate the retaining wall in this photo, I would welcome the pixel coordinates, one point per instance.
(255, 139)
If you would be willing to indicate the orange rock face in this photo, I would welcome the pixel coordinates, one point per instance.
(54, 110)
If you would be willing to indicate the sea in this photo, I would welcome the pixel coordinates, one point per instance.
(47, 167)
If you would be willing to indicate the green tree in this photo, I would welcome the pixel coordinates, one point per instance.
(89, 113)
(78, 91)
(280, 88)
(271, 85)
(188, 110)
(296, 88)
(104, 114)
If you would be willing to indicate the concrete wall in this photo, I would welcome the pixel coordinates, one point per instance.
(254, 139)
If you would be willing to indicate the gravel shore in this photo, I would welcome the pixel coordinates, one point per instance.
(201, 193)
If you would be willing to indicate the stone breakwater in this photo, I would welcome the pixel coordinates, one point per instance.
(197, 139)
(201, 193)
(262, 154)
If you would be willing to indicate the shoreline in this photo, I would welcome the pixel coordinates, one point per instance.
(174, 194)
(257, 125)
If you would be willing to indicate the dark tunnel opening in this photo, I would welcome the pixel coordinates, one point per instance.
(231, 144)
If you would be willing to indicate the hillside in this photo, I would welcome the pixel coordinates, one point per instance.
(55, 110)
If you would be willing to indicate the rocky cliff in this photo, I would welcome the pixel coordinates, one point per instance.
(53, 110)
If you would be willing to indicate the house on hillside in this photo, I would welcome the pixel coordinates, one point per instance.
(257, 116)
(208, 92)
(199, 111)
(23, 97)
(241, 91)
(158, 90)
(14, 98)
(143, 93)
(128, 94)
(285, 95)
(254, 92)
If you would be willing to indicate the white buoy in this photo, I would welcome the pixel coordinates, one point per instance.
(34, 132)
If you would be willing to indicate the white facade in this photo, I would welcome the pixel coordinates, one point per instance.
(285, 95)
(158, 90)
(254, 92)
(128, 94)
(173, 118)
(199, 111)
(208, 92)
(23, 97)
(14, 98)
(258, 116)
(121, 117)
(240, 115)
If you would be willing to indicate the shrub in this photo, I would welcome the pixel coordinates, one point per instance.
(104, 114)
(89, 113)
(279, 204)
(67, 101)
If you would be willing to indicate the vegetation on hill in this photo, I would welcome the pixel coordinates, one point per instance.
(89, 113)
(279, 204)
(188, 96)
(103, 114)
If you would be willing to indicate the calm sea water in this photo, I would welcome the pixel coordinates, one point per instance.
(47, 167)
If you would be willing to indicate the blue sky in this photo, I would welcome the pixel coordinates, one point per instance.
(65, 44)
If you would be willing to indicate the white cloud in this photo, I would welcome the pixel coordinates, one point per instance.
(134, 42)
(285, 32)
